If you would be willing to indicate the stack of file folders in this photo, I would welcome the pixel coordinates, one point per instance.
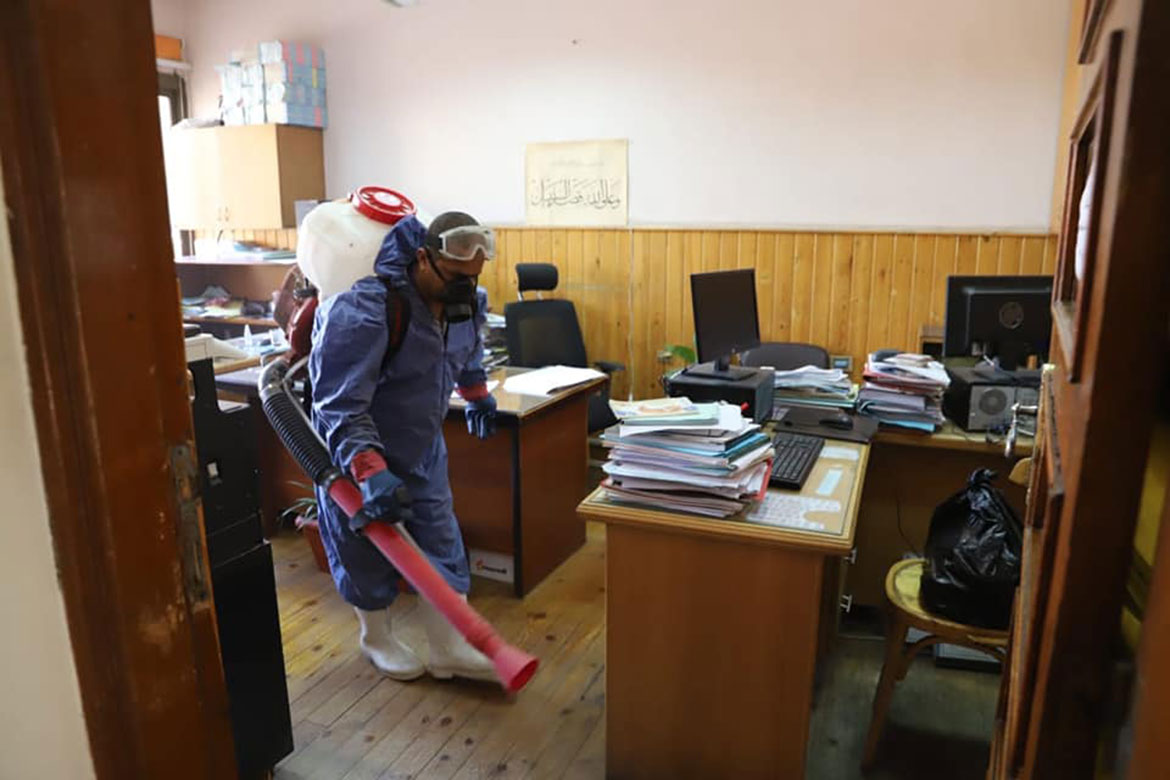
(811, 386)
(904, 390)
(670, 454)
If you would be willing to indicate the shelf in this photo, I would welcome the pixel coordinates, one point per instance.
(255, 322)
(190, 260)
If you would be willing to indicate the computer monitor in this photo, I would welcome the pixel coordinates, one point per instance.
(1003, 317)
(726, 322)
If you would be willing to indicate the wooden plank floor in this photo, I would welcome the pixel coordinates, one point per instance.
(350, 723)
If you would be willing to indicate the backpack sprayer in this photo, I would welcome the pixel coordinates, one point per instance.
(513, 666)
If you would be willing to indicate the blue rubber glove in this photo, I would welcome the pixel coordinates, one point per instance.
(384, 496)
(481, 416)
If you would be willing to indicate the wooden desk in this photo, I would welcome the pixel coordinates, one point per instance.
(712, 630)
(909, 475)
(516, 492)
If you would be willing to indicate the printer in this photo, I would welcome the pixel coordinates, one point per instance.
(751, 389)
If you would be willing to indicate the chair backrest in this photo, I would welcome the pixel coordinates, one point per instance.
(535, 276)
(785, 356)
(544, 333)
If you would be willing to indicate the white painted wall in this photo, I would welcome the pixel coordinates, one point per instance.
(916, 113)
(42, 727)
(170, 17)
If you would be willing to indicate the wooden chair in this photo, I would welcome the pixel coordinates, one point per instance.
(903, 582)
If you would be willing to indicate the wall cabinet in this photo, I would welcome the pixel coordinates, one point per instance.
(242, 177)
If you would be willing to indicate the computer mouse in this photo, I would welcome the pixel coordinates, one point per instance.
(839, 421)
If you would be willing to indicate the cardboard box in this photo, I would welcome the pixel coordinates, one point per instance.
(296, 53)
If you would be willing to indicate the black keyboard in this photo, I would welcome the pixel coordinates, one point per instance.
(795, 456)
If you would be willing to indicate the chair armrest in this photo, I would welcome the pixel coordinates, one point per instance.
(609, 366)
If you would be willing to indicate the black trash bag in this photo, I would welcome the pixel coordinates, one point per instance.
(973, 556)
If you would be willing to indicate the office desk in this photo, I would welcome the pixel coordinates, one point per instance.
(516, 492)
(712, 631)
(908, 476)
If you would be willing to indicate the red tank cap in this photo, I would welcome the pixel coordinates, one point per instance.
(382, 204)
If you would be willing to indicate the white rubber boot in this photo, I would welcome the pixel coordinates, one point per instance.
(386, 653)
(450, 654)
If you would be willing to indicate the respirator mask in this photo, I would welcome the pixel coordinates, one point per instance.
(458, 296)
(461, 244)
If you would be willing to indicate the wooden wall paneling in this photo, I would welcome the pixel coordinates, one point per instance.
(614, 289)
(852, 292)
(1032, 255)
(820, 296)
(710, 252)
(656, 327)
(765, 284)
(692, 264)
(803, 258)
(945, 258)
(747, 251)
(593, 308)
(639, 312)
(839, 294)
(901, 288)
(966, 256)
(860, 299)
(1010, 248)
(878, 329)
(575, 271)
(921, 288)
(558, 254)
(527, 246)
(782, 288)
(728, 250)
(542, 247)
(676, 284)
(987, 258)
(1048, 265)
(515, 255)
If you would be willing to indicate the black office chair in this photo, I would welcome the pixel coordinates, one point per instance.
(546, 333)
(785, 356)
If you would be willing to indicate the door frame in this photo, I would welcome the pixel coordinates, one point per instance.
(87, 210)
(1108, 363)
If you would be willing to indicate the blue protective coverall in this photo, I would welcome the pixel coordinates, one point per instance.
(397, 408)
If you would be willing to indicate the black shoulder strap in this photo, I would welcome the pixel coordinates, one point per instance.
(397, 319)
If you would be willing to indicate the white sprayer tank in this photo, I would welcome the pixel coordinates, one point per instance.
(338, 240)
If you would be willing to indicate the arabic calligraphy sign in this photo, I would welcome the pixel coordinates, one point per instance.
(578, 183)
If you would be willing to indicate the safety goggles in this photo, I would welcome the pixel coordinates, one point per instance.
(464, 243)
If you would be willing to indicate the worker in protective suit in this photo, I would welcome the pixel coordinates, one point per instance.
(381, 387)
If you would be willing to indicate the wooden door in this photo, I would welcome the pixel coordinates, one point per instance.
(1110, 313)
(86, 207)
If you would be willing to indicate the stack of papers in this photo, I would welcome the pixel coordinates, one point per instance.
(709, 461)
(655, 409)
(904, 390)
(811, 386)
(549, 380)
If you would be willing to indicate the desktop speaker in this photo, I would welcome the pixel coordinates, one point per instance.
(980, 399)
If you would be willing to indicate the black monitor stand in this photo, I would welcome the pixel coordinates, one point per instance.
(720, 369)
